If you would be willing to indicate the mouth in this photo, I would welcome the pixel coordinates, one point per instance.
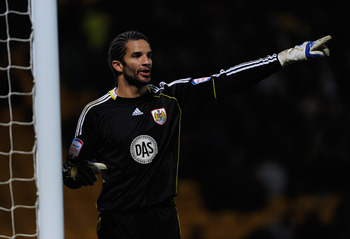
(145, 72)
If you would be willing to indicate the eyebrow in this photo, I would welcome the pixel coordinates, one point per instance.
(135, 53)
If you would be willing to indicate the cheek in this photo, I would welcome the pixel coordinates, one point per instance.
(130, 70)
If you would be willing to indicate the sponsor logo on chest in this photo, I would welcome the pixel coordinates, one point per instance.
(143, 149)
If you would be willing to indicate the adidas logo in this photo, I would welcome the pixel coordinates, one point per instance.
(137, 112)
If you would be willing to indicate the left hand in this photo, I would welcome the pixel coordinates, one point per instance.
(309, 49)
(85, 172)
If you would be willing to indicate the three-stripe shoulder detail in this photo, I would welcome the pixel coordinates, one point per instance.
(156, 89)
(249, 65)
(86, 109)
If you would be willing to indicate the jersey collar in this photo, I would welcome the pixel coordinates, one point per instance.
(113, 94)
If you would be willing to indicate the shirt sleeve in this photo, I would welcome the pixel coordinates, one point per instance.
(191, 92)
(82, 147)
(245, 75)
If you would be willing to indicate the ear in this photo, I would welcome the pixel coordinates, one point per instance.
(117, 65)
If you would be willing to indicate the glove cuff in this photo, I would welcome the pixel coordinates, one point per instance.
(292, 55)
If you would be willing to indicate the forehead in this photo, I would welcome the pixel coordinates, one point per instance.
(137, 46)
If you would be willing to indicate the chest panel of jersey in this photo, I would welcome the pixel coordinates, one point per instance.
(120, 122)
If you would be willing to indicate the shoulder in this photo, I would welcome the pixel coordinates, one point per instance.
(98, 103)
(91, 110)
(165, 87)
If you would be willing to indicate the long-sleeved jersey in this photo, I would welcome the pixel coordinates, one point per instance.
(139, 138)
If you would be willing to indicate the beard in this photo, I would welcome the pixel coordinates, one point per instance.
(134, 80)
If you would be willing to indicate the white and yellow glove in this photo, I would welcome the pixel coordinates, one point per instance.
(308, 50)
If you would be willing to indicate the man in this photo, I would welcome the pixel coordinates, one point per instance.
(133, 133)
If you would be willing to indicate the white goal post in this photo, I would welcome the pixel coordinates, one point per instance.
(47, 119)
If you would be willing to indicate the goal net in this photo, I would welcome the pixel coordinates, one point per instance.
(20, 200)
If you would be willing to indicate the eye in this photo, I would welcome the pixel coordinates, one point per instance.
(136, 55)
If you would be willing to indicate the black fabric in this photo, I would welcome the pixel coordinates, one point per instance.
(148, 223)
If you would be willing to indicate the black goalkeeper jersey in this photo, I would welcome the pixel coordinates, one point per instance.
(139, 138)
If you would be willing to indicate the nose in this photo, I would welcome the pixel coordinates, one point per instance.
(146, 61)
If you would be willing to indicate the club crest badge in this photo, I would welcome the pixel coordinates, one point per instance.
(159, 116)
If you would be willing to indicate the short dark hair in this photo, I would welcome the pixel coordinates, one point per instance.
(117, 48)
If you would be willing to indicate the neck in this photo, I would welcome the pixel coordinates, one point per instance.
(130, 91)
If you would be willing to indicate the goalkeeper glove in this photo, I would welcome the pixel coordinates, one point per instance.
(84, 173)
(309, 49)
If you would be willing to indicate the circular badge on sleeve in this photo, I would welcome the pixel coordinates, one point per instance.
(143, 149)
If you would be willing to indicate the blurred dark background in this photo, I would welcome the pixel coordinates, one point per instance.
(270, 162)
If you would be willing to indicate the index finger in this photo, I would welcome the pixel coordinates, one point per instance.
(321, 41)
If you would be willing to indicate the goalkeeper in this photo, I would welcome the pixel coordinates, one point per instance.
(132, 134)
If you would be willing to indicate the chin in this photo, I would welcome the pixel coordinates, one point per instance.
(146, 80)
